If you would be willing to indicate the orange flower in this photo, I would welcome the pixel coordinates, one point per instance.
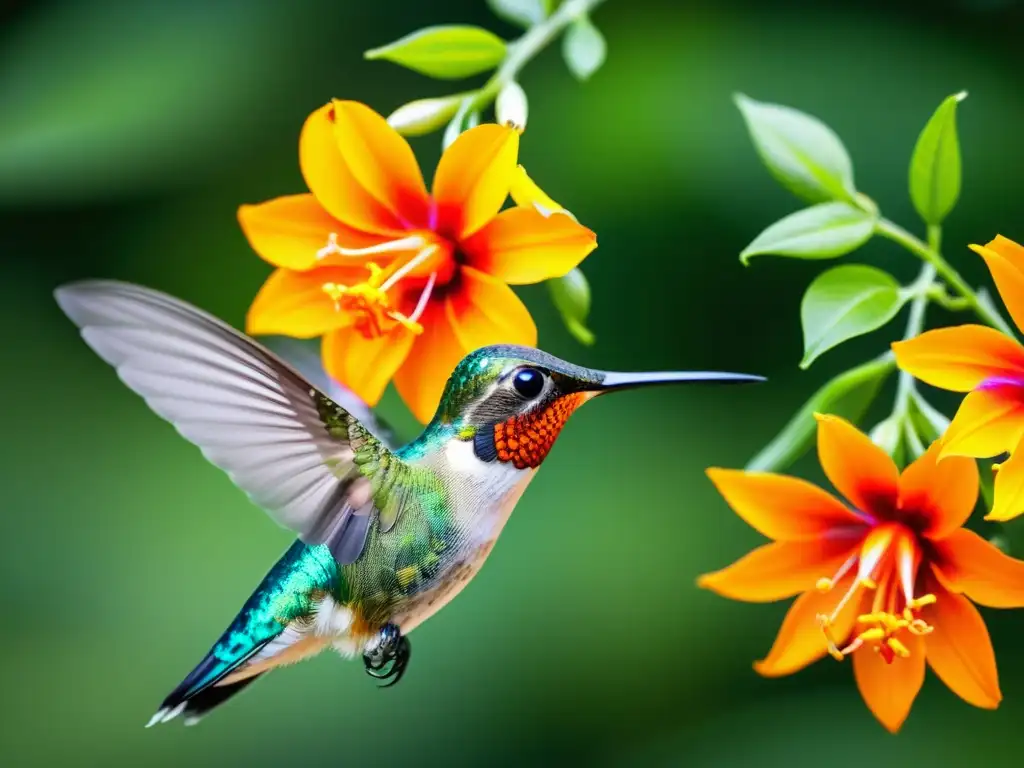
(989, 366)
(401, 283)
(884, 580)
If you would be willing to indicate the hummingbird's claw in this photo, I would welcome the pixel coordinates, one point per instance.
(388, 658)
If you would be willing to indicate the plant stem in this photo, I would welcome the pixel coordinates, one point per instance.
(915, 324)
(930, 255)
(521, 51)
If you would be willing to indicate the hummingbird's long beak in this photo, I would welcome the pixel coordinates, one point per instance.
(614, 381)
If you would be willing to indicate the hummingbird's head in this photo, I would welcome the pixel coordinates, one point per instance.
(513, 401)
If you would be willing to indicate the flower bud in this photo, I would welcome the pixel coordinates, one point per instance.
(510, 106)
(886, 435)
(423, 116)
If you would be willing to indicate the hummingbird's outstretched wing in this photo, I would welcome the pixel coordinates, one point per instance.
(296, 453)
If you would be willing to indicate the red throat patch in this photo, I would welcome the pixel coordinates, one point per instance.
(525, 440)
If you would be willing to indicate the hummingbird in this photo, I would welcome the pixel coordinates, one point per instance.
(385, 537)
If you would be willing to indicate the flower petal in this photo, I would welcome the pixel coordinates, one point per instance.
(288, 231)
(522, 245)
(960, 650)
(960, 358)
(800, 640)
(940, 499)
(973, 566)
(778, 570)
(526, 193)
(331, 181)
(294, 303)
(889, 690)
(434, 355)
(1005, 260)
(858, 468)
(473, 179)
(785, 508)
(382, 162)
(365, 365)
(1008, 501)
(485, 311)
(988, 422)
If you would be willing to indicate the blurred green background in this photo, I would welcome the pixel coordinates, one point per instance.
(129, 134)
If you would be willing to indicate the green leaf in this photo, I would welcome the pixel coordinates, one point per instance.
(847, 395)
(823, 231)
(571, 296)
(583, 48)
(522, 13)
(801, 152)
(445, 52)
(935, 165)
(845, 302)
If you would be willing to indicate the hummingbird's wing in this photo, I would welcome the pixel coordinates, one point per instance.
(297, 454)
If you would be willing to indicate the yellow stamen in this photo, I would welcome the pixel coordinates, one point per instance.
(898, 648)
(369, 303)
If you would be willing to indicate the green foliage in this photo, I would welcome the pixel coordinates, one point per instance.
(823, 231)
(849, 395)
(809, 159)
(935, 165)
(801, 152)
(583, 48)
(445, 52)
(845, 302)
(571, 297)
(522, 13)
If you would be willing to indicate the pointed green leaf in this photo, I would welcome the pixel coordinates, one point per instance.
(522, 13)
(445, 52)
(935, 165)
(845, 302)
(571, 297)
(801, 152)
(847, 395)
(823, 231)
(583, 48)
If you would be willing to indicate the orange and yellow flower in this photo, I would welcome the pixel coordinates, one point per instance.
(399, 281)
(989, 366)
(884, 578)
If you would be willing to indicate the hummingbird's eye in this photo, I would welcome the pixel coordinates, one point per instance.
(528, 382)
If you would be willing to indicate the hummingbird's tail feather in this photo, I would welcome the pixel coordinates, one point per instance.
(276, 626)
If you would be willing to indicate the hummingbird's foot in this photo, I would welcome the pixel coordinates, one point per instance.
(388, 657)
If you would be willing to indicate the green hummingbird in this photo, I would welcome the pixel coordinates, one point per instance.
(385, 537)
